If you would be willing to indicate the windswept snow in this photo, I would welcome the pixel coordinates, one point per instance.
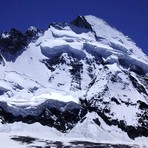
(109, 35)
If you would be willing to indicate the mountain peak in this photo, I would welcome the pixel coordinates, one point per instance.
(32, 28)
(86, 75)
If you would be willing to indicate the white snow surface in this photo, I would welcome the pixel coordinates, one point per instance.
(111, 36)
(89, 132)
(28, 81)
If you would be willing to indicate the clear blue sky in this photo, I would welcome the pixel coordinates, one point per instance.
(128, 16)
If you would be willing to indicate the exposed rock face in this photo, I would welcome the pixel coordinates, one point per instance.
(80, 21)
(13, 43)
(32, 34)
(60, 115)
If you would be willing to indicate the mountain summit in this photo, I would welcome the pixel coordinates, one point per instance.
(83, 75)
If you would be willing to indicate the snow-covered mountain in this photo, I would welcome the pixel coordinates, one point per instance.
(84, 80)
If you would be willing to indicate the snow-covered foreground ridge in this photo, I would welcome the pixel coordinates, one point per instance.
(83, 75)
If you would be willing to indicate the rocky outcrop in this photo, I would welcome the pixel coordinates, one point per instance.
(80, 21)
(13, 43)
(60, 115)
